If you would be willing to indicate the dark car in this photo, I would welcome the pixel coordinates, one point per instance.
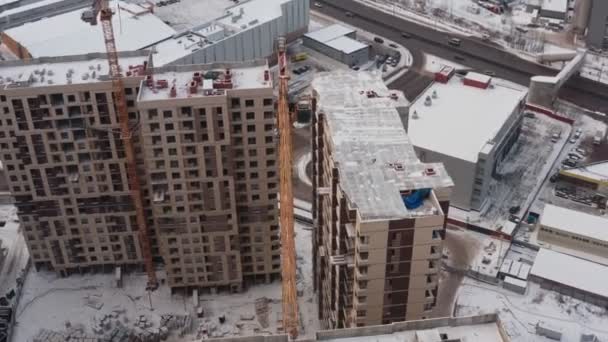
(378, 40)
(406, 35)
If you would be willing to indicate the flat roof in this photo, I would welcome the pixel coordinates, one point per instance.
(346, 44)
(251, 13)
(575, 222)
(66, 34)
(475, 76)
(369, 141)
(462, 119)
(27, 7)
(597, 172)
(248, 75)
(571, 271)
(329, 33)
(183, 44)
(49, 71)
(555, 5)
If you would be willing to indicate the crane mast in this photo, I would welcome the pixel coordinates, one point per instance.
(101, 8)
(288, 253)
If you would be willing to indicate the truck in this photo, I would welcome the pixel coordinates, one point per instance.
(302, 56)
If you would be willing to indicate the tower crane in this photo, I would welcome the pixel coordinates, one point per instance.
(102, 9)
(288, 253)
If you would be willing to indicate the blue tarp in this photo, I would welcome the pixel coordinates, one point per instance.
(415, 199)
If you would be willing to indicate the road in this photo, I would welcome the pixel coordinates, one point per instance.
(477, 54)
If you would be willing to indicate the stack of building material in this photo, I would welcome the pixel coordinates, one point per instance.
(261, 311)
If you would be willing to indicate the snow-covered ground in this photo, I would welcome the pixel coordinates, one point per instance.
(520, 313)
(48, 302)
(13, 251)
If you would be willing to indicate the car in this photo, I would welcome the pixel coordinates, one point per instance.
(356, 68)
(572, 140)
(392, 45)
(529, 115)
(578, 133)
(296, 71)
(580, 151)
(514, 209)
(454, 41)
(318, 5)
(384, 68)
(514, 219)
(406, 35)
(378, 40)
(569, 162)
(489, 72)
(553, 178)
(459, 58)
(349, 14)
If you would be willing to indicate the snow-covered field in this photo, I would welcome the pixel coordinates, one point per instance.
(13, 252)
(48, 302)
(520, 313)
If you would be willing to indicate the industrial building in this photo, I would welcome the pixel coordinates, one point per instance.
(207, 159)
(379, 212)
(574, 230)
(244, 31)
(339, 43)
(571, 276)
(592, 176)
(469, 123)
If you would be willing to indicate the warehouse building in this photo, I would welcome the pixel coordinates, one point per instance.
(554, 9)
(468, 123)
(380, 213)
(244, 31)
(339, 43)
(592, 176)
(574, 230)
(207, 160)
(571, 276)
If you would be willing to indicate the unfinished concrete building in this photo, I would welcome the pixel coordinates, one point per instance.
(205, 144)
(379, 212)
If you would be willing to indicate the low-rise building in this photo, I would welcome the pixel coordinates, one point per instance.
(379, 212)
(571, 276)
(592, 176)
(574, 230)
(554, 9)
(339, 43)
(468, 123)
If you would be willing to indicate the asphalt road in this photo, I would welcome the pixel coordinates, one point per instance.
(477, 54)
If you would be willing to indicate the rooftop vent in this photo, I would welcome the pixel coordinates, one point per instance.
(434, 95)
(428, 101)
(429, 171)
(192, 87)
(415, 115)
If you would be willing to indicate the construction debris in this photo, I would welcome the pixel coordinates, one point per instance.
(261, 311)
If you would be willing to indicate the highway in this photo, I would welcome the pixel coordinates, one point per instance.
(476, 53)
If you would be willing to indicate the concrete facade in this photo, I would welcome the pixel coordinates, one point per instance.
(207, 163)
(597, 28)
(371, 267)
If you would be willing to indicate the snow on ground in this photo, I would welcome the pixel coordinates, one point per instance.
(13, 251)
(434, 63)
(186, 14)
(49, 301)
(519, 313)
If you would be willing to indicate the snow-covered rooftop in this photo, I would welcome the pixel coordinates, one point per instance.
(575, 222)
(555, 6)
(374, 154)
(66, 34)
(346, 44)
(475, 76)
(252, 13)
(184, 44)
(571, 271)
(247, 75)
(27, 7)
(597, 172)
(461, 120)
(329, 33)
(48, 71)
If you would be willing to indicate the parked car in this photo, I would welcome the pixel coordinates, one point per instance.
(349, 14)
(580, 151)
(553, 178)
(318, 5)
(489, 73)
(578, 133)
(572, 140)
(454, 41)
(529, 115)
(379, 40)
(406, 35)
(569, 162)
(392, 45)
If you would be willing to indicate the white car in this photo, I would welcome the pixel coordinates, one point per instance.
(318, 5)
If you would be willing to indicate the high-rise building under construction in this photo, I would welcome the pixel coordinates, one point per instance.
(379, 212)
(205, 143)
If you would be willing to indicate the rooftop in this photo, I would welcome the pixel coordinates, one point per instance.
(66, 34)
(555, 5)
(375, 156)
(571, 271)
(597, 172)
(27, 7)
(251, 13)
(462, 119)
(209, 80)
(48, 71)
(183, 44)
(575, 222)
(346, 44)
(329, 33)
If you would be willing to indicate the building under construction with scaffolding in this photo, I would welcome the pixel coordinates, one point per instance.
(379, 212)
(205, 145)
